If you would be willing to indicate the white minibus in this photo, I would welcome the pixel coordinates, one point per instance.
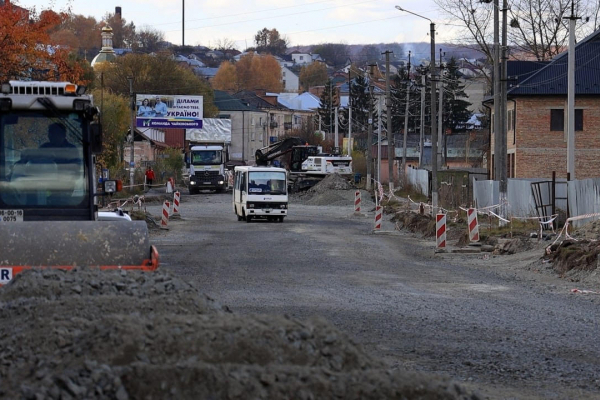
(260, 192)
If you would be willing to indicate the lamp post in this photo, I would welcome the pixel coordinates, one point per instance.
(433, 80)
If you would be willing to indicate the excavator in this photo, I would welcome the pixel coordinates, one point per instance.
(49, 140)
(306, 164)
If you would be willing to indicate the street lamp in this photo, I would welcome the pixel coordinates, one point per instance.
(433, 80)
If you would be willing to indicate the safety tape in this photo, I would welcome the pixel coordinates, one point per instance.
(583, 291)
(565, 228)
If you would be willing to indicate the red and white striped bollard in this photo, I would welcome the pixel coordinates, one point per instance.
(176, 198)
(440, 230)
(378, 214)
(473, 225)
(165, 215)
(357, 201)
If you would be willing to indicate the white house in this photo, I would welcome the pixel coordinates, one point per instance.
(291, 82)
(304, 58)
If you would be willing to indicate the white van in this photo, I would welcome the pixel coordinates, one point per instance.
(260, 192)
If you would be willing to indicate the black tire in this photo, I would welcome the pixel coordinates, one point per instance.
(192, 192)
(239, 217)
(248, 218)
(280, 219)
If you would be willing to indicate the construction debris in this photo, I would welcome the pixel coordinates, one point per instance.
(88, 334)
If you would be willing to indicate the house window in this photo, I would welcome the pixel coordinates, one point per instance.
(557, 119)
(284, 83)
(301, 58)
(283, 73)
(579, 119)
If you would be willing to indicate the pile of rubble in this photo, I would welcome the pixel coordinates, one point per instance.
(131, 335)
(333, 190)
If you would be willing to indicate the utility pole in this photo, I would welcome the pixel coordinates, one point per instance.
(131, 127)
(336, 129)
(379, 139)
(391, 148)
(502, 155)
(441, 116)
(497, 98)
(406, 109)
(370, 131)
(182, 23)
(422, 123)
(571, 95)
(434, 155)
(434, 146)
(349, 112)
(330, 107)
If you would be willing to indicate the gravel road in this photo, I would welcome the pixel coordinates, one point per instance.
(497, 326)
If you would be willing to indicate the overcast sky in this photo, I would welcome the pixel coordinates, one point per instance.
(303, 22)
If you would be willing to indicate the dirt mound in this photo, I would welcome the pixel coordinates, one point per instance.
(589, 231)
(416, 223)
(570, 257)
(332, 182)
(333, 190)
(131, 335)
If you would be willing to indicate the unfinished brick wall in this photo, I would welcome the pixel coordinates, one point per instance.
(539, 151)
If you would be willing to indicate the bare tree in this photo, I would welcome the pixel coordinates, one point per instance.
(224, 44)
(536, 27)
(148, 39)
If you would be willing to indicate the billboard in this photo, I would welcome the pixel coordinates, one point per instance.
(168, 111)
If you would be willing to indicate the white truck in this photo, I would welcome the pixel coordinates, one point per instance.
(207, 156)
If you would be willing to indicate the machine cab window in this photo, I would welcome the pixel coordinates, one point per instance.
(41, 159)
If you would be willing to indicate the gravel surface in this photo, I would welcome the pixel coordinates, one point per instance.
(505, 325)
(318, 307)
(89, 334)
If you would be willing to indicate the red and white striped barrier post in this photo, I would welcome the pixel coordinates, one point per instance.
(165, 215)
(440, 230)
(473, 225)
(378, 214)
(357, 201)
(176, 198)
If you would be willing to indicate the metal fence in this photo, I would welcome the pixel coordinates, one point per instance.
(419, 179)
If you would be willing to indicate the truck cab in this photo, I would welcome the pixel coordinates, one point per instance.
(207, 168)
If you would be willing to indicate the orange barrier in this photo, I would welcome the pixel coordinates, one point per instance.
(7, 273)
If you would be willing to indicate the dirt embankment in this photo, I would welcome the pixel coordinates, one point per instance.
(89, 334)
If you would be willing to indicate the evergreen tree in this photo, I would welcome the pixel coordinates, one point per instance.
(326, 111)
(361, 101)
(456, 111)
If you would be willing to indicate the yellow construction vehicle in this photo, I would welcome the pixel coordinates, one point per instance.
(49, 139)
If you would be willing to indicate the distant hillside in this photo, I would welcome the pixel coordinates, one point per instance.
(419, 50)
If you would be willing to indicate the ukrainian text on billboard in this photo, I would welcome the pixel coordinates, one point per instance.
(168, 111)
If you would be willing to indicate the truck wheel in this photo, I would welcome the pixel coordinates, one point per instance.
(248, 218)
(280, 219)
(192, 191)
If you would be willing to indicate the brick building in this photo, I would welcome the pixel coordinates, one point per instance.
(537, 115)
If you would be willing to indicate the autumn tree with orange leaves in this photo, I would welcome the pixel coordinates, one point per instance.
(226, 78)
(28, 52)
(252, 72)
